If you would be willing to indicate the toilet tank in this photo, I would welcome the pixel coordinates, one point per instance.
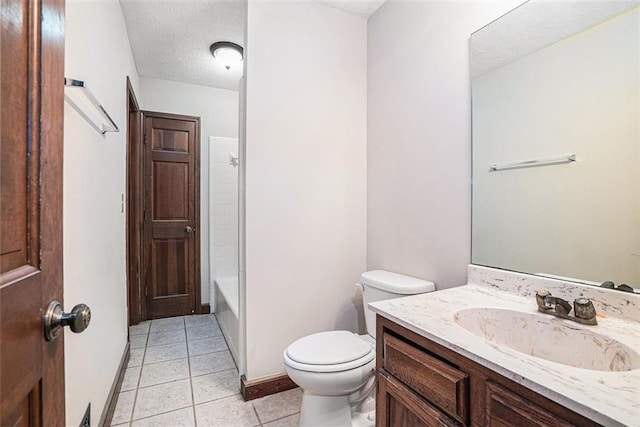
(378, 285)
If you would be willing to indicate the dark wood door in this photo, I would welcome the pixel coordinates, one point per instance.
(31, 111)
(171, 214)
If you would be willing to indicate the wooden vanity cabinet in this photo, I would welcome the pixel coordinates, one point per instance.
(421, 383)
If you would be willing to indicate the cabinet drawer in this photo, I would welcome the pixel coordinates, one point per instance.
(398, 406)
(443, 385)
(505, 408)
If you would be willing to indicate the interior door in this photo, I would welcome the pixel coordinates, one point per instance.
(31, 120)
(171, 214)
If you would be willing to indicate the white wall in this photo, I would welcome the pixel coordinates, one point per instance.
(218, 111)
(419, 136)
(580, 96)
(305, 175)
(223, 211)
(96, 51)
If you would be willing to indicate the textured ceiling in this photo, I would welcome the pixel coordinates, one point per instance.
(535, 25)
(170, 39)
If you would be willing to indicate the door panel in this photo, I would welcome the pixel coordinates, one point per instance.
(171, 191)
(27, 412)
(16, 42)
(173, 140)
(22, 336)
(31, 93)
(171, 205)
(170, 263)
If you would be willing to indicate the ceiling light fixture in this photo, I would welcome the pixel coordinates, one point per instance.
(226, 53)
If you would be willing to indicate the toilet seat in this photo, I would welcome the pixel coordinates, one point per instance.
(332, 351)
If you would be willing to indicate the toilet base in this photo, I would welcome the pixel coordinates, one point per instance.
(334, 411)
(325, 411)
(367, 415)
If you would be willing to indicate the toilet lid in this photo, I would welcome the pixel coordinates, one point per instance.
(328, 348)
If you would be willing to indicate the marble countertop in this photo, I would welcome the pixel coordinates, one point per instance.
(609, 398)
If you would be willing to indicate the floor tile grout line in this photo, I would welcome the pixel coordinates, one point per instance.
(193, 398)
(161, 413)
(178, 342)
(187, 357)
(163, 383)
(166, 343)
(282, 418)
(212, 352)
(164, 330)
(218, 398)
(255, 411)
(215, 372)
(135, 396)
(206, 338)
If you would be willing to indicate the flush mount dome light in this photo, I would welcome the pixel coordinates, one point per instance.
(226, 53)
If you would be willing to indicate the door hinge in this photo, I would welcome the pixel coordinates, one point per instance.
(145, 138)
(145, 290)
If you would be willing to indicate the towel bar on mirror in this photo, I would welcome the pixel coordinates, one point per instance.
(537, 162)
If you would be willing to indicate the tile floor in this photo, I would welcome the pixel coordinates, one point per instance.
(181, 374)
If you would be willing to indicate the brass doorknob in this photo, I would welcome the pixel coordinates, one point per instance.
(55, 319)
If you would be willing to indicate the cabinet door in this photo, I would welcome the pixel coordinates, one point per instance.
(399, 406)
(504, 408)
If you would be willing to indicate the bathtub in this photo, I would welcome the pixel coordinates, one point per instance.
(226, 297)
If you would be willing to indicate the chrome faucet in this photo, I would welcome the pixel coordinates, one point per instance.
(583, 309)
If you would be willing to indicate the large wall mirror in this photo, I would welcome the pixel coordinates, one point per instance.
(556, 141)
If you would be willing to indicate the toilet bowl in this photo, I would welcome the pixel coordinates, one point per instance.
(336, 369)
(330, 367)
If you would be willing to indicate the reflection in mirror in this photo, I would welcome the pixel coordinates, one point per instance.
(551, 80)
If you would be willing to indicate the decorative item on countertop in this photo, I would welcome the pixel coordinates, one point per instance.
(623, 287)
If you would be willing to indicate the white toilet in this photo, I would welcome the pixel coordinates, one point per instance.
(335, 369)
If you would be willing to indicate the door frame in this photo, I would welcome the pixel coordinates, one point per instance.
(137, 253)
(136, 309)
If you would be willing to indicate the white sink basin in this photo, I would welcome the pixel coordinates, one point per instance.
(549, 338)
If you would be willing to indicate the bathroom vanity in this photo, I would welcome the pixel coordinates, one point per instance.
(555, 147)
(482, 355)
(422, 383)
